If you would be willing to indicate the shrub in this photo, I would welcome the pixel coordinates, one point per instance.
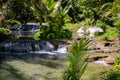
(117, 24)
(117, 62)
(63, 34)
(5, 33)
(76, 59)
(112, 74)
(111, 33)
(42, 35)
(87, 22)
(98, 33)
(101, 24)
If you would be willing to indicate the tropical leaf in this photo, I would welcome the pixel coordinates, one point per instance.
(77, 57)
(13, 21)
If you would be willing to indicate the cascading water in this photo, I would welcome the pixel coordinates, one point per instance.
(23, 46)
(32, 47)
(91, 29)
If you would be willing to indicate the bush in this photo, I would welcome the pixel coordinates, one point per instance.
(117, 61)
(44, 35)
(112, 74)
(101, 24)
(111, 34)
(98, 33)
(117, 24)
(87, 22)
(5, 33)
(63, 34)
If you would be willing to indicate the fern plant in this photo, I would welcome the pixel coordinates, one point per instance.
(76, 59)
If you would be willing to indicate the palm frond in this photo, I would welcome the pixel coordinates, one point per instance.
(77, 59)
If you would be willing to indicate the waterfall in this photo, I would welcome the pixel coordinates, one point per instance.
(27, 48)
(23, 46)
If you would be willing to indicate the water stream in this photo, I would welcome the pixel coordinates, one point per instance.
(43, 48)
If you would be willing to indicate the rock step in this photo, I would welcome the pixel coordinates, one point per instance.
(96, 57)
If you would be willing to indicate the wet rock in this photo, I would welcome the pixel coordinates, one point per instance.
(110, 61)
(96, 57)
(97, 48)
(106, 44)
(55, 44)
(99, 51)
(111, 50)
(90, 59)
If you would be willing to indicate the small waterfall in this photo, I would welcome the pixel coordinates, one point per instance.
(25, 46)
(89, 30)
(31, 48)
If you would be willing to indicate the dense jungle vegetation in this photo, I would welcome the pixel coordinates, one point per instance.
(58, 17)
(56, 13)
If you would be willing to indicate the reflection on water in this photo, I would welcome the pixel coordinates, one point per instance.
(31, 69)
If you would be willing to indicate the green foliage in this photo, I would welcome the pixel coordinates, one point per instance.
(74, 10)
(117, 6)
(98, 33)
(101, 24)
(112, 74)
(13, 22)
(36, 35)
(57, 12)
(82, 9)
(4, 33)
(19, 10)
(76, 58)
(117, 24)
(63, 34)
(2, 23)
(55, 18)
(111, 33)
(87, 22)
(117, 61)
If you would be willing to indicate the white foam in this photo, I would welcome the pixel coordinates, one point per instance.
(101, 62)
